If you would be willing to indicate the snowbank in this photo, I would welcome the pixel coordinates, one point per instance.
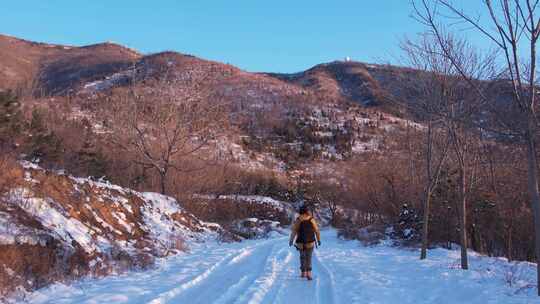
(85, 227)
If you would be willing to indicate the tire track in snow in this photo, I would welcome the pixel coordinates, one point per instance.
(294, 289)
(249, 270)
(231, 258)
(225, 273)
(262, 287)
(237, 259)
(231, 295)
(283, 279)
(289, 280)
(168, 295)
(325, 282)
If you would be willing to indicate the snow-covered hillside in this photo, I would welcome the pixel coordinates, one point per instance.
(55, 227)
(266, 271)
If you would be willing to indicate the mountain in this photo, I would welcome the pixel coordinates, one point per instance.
(56, 69)
(61, 70)
(330, 111)
(340, 80)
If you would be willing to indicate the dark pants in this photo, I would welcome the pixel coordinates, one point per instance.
(305, 259)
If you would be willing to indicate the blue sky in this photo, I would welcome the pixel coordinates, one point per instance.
(255, 35)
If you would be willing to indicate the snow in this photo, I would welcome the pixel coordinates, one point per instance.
(406, 122)
(257, 199)
(370, 146)
(408, 232)
(9, 271)
(28, 178)
(121, 218)
(323, 134)
(266, 271)
(108, 82)
(12, 232)
(67, 228)
(156, 209)
(158, 222)
(246, 198)
(102, 222)
(102, 184)
(249, 159)
(29, 165)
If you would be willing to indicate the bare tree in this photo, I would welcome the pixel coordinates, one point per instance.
(447, 103)
(513, 28)
(326, 194)
(163, 130)
(433, 80)
(463, 143)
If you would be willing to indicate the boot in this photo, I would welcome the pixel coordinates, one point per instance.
(309, 276)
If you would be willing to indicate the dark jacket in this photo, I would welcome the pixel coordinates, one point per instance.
(296, 226)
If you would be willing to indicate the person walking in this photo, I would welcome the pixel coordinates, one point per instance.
(305, 235)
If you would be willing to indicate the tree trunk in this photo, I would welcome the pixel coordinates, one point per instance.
(463, 221)
(162, 181)
(425, 225)
(449, 228)
(427, 199)
(509, 244)
(534, 196)
(333, 216)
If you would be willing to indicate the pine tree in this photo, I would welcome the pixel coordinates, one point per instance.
(92, 159)
(43, 143)
(11, 122)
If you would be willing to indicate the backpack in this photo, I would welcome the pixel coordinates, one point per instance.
(306, 232)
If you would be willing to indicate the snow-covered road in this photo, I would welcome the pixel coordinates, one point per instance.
(266, 271)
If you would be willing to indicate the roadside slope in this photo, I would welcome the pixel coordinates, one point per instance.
(55, 227)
